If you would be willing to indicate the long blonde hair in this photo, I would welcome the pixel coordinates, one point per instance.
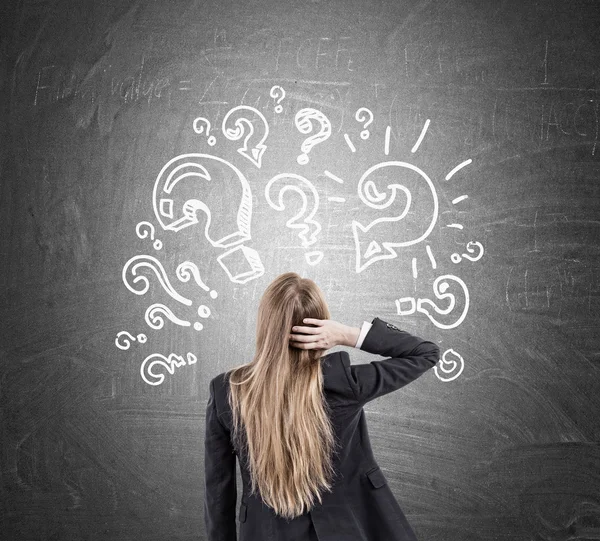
(278, 405)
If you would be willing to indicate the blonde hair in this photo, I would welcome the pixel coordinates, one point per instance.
(278, 405)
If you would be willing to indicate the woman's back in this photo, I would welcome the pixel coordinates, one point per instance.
(359, 504)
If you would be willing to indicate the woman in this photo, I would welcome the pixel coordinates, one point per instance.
(294, 418)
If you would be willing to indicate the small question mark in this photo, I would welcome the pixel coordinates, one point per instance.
(148, 228)
(147, 262)
(244, 125)
(440, 288)
(453, 365)
(278, 94)
(186, 270)
(127, 338)
(361, 116)
(168, 363)
(304, 122)
(155, 320)
(456, 258)
(200, 129)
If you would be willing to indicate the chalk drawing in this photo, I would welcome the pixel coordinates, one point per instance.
(166, 363)
(373, 234)
(349, 143)
(431, 258)
(243, 118)
(187, 270)
(458, 168)
(386, 148)
(186, 185)
(202, 125)
(365, 116)
(124, 339)
(147, 262)
(333, 177)
(155, 320)
(278, 93)
(303, 220)
(203, 312)
(143, 229)
(451, 366)
(174, 211)
(430, 308)
(305, 121)
(420, 139)
(459, 199)
(241, 264)
(473, 247)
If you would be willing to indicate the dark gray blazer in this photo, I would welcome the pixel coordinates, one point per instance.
(361, 506)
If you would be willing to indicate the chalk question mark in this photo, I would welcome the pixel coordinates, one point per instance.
(124, 339)
(278, 94)
(143, 229)
(140, 263)
(303, 220)
(361, 116)
(200, 129)
(451, 364)
(186, 270)
(155, 320)
(243, 118)
(304, 122)
(168, 363)
(430, 308)
(456, 258)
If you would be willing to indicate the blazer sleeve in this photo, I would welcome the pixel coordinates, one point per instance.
(220, 492)
(409, 358)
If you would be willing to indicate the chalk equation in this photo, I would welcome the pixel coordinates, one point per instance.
(190, 188)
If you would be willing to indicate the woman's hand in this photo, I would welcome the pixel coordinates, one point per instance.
(324, 335)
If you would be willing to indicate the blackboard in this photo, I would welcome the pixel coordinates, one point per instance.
(435, 164)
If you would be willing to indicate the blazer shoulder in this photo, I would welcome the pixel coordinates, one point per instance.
(220, 382)
(218, 388)
(336, 376)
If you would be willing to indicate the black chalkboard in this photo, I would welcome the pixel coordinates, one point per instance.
(435, 164)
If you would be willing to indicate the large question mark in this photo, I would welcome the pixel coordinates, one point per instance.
(200, 129)
(304, 122)
(361, 116)
(278, 94)
(456, 258)
(242, 125)
(371, 242)
(440, 288)
(174, 209)
(303, 220)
